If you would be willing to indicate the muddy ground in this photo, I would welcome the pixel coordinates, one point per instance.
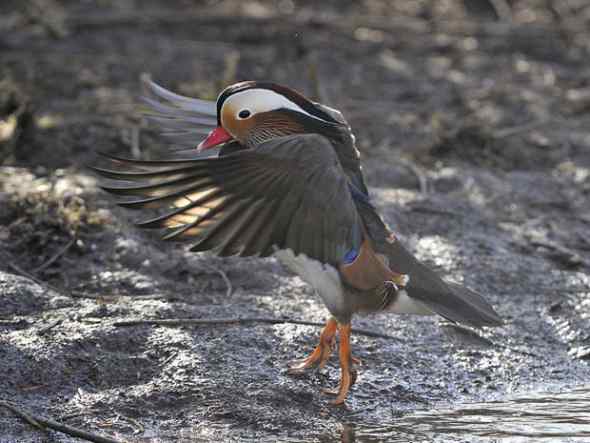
(475, 136)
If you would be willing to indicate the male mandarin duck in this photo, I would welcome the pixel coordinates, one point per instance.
(283, 176)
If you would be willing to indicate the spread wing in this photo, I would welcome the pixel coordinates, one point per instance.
(288, 193)
(182, 120)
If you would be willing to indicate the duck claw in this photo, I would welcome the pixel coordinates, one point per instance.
(321, 354)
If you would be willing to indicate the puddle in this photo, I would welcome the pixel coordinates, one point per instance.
(558, 417)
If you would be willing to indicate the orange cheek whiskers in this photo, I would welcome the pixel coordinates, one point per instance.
(271, 126)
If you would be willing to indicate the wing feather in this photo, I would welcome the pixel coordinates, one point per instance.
(248, 202)
(197, 106)
(183, 120)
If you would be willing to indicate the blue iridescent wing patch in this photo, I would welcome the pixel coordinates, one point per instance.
(351, 256)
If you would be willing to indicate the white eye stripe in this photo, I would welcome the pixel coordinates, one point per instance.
(261, 100)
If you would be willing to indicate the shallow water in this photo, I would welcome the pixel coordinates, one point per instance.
(555, 417)
(534, 417)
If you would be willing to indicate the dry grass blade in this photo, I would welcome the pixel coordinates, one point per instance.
(57, 255)
(229, 286)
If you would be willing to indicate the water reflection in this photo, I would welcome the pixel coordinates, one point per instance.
(560, 417)
(537, 417)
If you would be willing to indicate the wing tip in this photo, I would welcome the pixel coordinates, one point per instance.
(490, 321)
(153, 223)
(481, 312)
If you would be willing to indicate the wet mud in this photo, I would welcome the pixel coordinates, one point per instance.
(475, 140)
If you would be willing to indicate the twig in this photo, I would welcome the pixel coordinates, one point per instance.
(422, 180)
(54, 257)
(560, 252)
(113, 297)
(240, 321)
(19, 322)
(514, 130)
(42, 423)
(201, 19)
(401, 23)
(44, 330)
(21, 414)
(32, 277)
(230, 288)
(431, 210)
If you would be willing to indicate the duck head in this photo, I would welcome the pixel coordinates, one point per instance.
(253, 112)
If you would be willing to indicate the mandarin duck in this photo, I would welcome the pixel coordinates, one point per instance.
(280, 175)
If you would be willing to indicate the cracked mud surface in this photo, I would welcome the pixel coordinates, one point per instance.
(476, 145)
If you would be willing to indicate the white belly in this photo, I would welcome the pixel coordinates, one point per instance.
(323, 278)
(404, 304)
(326, 281)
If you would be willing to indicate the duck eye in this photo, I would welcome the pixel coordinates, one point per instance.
(244, 113)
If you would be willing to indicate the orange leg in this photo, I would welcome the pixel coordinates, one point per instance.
(347, 371)
(321, 353)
